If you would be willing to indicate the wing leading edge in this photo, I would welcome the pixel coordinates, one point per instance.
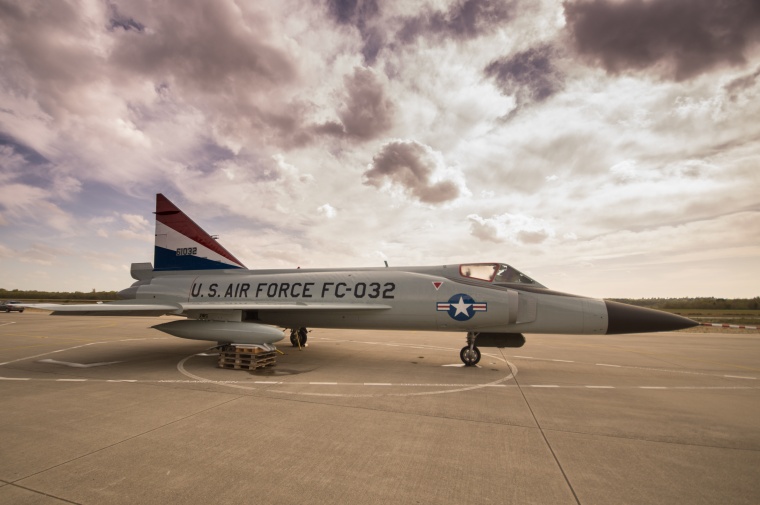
(109, 309)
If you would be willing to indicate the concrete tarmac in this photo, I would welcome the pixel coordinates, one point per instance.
(101, 410)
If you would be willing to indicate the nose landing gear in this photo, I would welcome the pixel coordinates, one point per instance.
(470, 355)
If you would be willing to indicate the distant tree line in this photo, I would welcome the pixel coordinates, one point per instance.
(19, 294)
(695, 303)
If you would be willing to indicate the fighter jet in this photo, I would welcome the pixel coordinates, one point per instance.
(493, 304)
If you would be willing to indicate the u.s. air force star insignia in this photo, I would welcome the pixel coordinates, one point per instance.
(462, 307)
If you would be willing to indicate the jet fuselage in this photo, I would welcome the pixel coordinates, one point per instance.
(427, 298)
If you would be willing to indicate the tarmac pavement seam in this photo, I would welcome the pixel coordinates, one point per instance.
(35, 491)
(651, 441)
(127, 439)
(546, 440)
(71, 348)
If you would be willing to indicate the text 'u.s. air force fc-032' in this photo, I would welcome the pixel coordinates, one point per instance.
(492, 303)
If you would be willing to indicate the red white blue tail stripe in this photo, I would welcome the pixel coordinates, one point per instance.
(183, 245)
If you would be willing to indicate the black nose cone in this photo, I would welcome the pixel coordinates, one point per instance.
(623, 318)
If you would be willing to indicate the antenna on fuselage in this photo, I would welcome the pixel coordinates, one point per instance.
(386, 263)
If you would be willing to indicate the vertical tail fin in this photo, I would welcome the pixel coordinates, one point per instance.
(183, 245)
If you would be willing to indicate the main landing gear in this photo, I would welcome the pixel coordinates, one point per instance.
(470, 354)
(298, 337)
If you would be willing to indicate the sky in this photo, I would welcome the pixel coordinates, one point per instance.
(608, 148)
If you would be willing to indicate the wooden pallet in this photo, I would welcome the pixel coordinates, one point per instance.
(241, 349)
(246, 360)
(244, 366)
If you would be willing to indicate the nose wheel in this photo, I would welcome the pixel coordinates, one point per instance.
(470, 355)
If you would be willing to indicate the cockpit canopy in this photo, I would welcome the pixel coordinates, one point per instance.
(498, 273)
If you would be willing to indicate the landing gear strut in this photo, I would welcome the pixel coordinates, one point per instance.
(298, 337)
(470, 354)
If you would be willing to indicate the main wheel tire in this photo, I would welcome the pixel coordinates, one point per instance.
(299, 334)
(469, 358)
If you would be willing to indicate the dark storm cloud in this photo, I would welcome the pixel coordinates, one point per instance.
(410, 165)
(367, 111)
(687, 37)
(45, 54)
(27, 153)
(362, 14)
(463, 20)
(223, 61)
(738, 85)
(23, 165)
(206, 45)
(226, 61)
(529, 75)
(125, 23)
(351, 11)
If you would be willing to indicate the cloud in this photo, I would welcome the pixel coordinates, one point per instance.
(680, 172)
(288, 174)
(138, 228)
(41, 254)
(45, 53)
(363, 14)
(327, 210)
(26, 202)
(10, 147)
(212, 48)
(120, 21)
(463, 20)
(66, 187)
(136, 222)
(101, 225)
(515, 228)
(741, 84)
(381, 24)
(266, 191)
(530, 75)
(413, 167)
(367, 111)
(679, 39)
(123, 72)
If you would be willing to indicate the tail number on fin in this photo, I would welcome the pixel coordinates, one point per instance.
(187, 251)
